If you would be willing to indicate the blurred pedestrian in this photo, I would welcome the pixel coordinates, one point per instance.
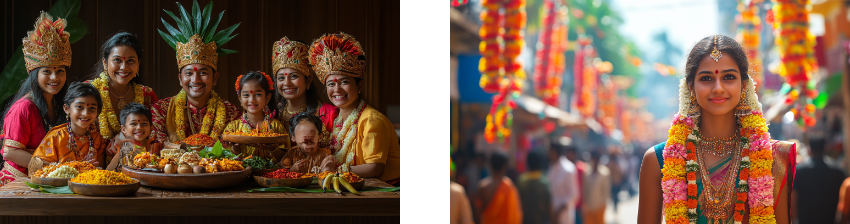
(460, 213)
(497, 200)
(596, 191)
(534, 190)
(816, 187)
(581, 170)
(564, 185)
(844, 202)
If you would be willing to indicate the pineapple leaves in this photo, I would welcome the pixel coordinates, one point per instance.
(198, 22)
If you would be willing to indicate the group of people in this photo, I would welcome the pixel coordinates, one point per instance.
(558, 186)
(51, 120)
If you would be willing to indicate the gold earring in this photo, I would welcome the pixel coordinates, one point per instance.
(743, 109)
(694, 104)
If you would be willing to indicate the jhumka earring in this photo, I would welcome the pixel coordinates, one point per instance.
(715, 54)
(694, 105)
(743, 109)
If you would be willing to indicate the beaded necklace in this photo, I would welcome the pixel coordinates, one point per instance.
(73, 144)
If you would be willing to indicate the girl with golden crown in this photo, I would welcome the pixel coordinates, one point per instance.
(116, 78)
(37, 106)
(362, 138)
(294, 81)
(718, 164)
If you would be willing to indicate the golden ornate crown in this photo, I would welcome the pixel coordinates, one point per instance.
(337, 54)
(47, 44)
(195, 51)
(291, 54)
(196, 41)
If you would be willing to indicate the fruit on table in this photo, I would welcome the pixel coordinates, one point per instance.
(184, 169)
(170, 168)
(199, 169)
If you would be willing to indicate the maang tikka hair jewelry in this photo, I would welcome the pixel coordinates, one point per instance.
(715, 54)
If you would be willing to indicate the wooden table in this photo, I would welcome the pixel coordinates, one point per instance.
(22, 204)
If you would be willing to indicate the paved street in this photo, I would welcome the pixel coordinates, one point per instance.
(626, 212)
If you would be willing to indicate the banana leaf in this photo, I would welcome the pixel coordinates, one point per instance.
(319, 190)
(16, 71)
(50, 189)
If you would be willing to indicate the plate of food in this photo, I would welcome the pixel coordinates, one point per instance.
(284, 178)
(58, 174)
(103, 183)
(255, 138)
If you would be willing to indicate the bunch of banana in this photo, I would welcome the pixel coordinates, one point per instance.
(336, 180)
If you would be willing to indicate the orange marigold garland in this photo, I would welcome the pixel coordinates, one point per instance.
(501, 70)
(755, 182)
(552, 43)
(796, 53)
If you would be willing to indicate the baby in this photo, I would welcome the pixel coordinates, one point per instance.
(136, 127)
(306, 156)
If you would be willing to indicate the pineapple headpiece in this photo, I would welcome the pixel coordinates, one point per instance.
(195, 38)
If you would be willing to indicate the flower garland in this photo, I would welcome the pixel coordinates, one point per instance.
(501, 70)
(344, 139)
(796, 53)
(585, 73)
(550, 54)
(755, 182)
(108, 116)
(217, 125)
(749, 35)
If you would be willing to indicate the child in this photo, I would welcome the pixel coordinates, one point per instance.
(255, 90)
(306, 156)
(78, 140)
(136, 126)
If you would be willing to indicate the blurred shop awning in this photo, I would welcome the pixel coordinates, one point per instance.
(563, 118)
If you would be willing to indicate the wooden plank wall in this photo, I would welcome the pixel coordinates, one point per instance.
(374, 23)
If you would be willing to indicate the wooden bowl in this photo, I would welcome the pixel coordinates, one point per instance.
(104, 190)
(241, 139)
(190, 180)
(357, 185)
(260, 172)
(275, 182)
(56, 182)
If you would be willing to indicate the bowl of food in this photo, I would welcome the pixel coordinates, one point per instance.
(284, 178)
(103, 183)
(58, 174)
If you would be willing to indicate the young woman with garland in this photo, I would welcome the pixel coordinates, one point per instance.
(362, 138)
(116, 78)
(295, 92)
(36, 107)
(718, 164)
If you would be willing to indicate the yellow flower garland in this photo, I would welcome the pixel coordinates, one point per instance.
(109, 124)
(217, 125)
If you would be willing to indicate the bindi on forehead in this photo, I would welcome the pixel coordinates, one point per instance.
(716, 71)
(195, 68)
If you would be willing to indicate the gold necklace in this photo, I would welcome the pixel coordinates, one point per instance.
(717, 146)
(295, 112)
(717, 201)
(121, 102)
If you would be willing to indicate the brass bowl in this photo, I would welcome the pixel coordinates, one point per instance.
(105, 190)
(275, 182)
(56, 182)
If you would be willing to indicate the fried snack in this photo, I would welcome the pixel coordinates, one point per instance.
(229, 165)
(324, 174)
(63, 172)
(171, 153)
(192, 158)
(143, 159)
(102, 177)
(209, 165)
(81, 167)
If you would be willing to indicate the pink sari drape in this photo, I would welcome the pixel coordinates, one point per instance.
(23, 124)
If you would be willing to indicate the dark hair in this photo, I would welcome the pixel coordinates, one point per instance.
(558, 148)
(595, 155)
(82, 89)
(295, 120)
(498, 161)
(135, 108)
(312, 97)
(535, 160)
(817, 145)
(30, 85)
(255, 76)
(117, 40)
(726, 45)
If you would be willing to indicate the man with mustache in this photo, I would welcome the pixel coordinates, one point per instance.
(197, 108)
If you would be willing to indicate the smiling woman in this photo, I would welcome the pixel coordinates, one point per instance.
(116, 78)
(34, 109)
(719, 164)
